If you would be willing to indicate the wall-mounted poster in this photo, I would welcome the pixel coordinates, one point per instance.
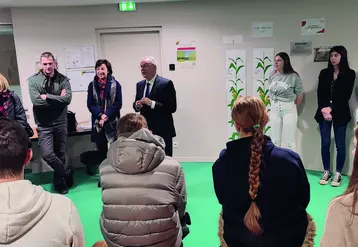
(321, 54)
(262, 29)
(301, 48)
(186, 54)
(313, 26)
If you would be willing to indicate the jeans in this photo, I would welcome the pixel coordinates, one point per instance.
(52, 142)
(283, 114)
(340, 139)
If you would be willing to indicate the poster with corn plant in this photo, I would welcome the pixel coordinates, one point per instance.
(263, 66)
(235, 83)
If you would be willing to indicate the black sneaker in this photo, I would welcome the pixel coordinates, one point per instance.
(336, 181)
(69, 177)
(325, 178)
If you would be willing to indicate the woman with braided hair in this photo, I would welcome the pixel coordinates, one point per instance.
(263, 189)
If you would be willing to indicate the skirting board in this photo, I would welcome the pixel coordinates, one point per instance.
(195, 159)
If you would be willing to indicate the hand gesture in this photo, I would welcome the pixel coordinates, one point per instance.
(146, 101)
(63, 92)
(138, 104)
(43, 96)
(104, 117)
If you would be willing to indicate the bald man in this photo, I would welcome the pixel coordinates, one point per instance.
(156, 101)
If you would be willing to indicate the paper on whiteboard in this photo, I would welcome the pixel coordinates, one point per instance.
(80, 79)
(79, 57)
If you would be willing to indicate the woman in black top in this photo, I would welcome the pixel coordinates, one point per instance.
(335, 88)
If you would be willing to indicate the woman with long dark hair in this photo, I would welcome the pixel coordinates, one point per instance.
(104, 101)
(263, 189)
(285, 92)
(342, 215)
(334, 90)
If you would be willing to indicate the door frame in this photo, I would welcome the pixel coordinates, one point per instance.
(100, 31)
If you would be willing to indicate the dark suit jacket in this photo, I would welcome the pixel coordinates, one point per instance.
(160, 119)
(342, 92)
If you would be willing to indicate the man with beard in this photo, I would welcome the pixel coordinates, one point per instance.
(50, 93)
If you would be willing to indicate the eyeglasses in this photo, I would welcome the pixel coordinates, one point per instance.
(144, 66)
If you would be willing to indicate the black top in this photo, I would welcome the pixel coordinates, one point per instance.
(282, 198)
(335, 94)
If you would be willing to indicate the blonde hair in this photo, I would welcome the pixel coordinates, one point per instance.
(4, 83)
(250, 114)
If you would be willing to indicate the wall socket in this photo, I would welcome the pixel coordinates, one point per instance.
(175, 144)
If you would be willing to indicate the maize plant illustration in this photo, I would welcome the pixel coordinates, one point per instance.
(236, 87)
(264, 64)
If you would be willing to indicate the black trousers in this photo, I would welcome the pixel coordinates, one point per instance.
(102, 148)
(168, 146)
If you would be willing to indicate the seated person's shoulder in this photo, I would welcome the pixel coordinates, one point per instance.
(341, 207)
(286, 157)
(170, 165)
(344, 202)
(61, 204)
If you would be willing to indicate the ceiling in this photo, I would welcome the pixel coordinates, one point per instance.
(46, 3)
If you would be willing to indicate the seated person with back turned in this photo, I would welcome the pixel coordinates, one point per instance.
(263, 189)
(29, 215)
(143, 191)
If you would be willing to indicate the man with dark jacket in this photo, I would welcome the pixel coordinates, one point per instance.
(50, 93)
(156, 101)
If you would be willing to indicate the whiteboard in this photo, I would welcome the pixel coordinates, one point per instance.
(80, 79)
(79, 57)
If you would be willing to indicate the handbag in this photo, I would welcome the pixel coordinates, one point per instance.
(71, 122)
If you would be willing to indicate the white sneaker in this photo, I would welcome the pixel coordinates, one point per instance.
(325, 178)
(337, 180)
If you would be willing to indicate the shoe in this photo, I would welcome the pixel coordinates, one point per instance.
(69, 174)
(336, 180)
(325, 178)
(61, 189)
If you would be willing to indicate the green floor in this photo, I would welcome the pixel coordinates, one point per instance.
(202, 203)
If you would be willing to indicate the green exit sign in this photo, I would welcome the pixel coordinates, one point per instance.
(127, 6)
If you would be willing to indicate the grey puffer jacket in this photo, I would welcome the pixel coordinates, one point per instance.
(143, 193)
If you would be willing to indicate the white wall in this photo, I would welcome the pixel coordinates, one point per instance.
(202, 116)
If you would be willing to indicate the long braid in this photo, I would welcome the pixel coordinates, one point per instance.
(253, 215)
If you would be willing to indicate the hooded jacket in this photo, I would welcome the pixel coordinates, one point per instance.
(143, 193)
(31, 216)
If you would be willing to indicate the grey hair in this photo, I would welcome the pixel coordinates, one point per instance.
(150, 60)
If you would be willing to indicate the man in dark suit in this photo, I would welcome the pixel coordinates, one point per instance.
(156, 101)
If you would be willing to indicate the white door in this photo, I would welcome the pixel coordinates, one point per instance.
(124, 51)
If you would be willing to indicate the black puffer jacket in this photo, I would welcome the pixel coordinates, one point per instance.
(16, 112)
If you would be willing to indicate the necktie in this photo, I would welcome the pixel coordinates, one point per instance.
(147, 90)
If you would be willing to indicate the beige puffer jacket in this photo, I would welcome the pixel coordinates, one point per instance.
(143, 193)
